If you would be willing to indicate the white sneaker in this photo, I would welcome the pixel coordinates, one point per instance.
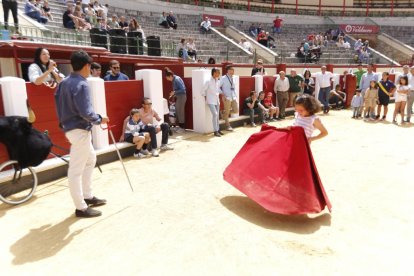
(144, 152)
(138, 155)
(166, 147)
(155, 153)
(229, 128)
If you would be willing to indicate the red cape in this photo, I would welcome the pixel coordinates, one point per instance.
(275, 168)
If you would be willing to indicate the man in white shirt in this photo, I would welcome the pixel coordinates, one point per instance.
(410, 98)
(205, 26)
(228, 89)
(324, 79)
(246, 44)
(281, 89)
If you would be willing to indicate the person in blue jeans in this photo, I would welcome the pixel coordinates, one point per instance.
(32, 11)
(251, 107)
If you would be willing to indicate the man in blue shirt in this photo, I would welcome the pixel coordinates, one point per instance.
(76, 117)
(229, 96)
(180, 93)
(32, 11)
(115, 73)
(366, 78)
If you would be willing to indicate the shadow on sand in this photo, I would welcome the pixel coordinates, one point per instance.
(43, 242)
(249, 210)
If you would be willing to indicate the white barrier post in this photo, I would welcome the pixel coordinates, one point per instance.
(236, 81)
(153, 89)
(202, 119)
(258, 83)
(100, 139)
(14, 96)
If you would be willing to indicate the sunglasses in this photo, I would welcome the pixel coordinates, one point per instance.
(116, 67)
(148, 104)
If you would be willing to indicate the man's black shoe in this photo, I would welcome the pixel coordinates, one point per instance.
(87, 213)
(95, 201)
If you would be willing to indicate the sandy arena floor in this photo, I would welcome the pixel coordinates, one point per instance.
(183, 219)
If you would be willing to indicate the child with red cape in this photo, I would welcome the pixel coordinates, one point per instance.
(275, 167)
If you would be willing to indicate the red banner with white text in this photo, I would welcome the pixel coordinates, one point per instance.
(216, 20)
(359, 29)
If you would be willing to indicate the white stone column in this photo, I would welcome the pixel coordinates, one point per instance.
(336, 80)
(153, 89)
(236, 81)
(14, 96)
(202, 119)
(100, 139)
(258, 83)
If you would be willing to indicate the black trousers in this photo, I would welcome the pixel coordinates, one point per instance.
(10, 6)
(153, 134)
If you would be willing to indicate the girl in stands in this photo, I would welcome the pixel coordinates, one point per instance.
(306, 106)
(401, 99)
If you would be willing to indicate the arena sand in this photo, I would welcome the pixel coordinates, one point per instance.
(183, 219)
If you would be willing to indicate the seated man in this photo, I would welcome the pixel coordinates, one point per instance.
(115, 73)
(68, 19)
(134, 133)
(34, 12)
(172, 21)
(147, 115)
(205, 26)
(251, 107)
(337, 97)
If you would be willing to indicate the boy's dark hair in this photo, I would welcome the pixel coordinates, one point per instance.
(214, 70)
(95, 65)
(134, 111)
(252, 93)
(406, 80)
(310, 104)
(79, 59)
(229, 67)
(168, 72)
(113, 62)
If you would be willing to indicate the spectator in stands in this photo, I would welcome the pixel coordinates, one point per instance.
(262, 38)
(337, 97)
(246, 44)
(96, 70)
(229, 96)
(182, 50)
(43, 70)
(277, 25)
(211, 60)
(10, 5)
(324, 80)
(102, 24)
(85, 4)
(251, 107)
(113, 23)
(69, 21)
(172, 21)
(258, 69)
(163, 21)
(149, 116)
(34, 12)
(270, 41)
(363, 55)
(253, 30)
(259, 29)
(205, 26)
(133, 25)
(308, 83)
(358, 45)
(179, 91)
(123, 24)
(140, 30)
(82, 24)
(46, 10)
(191, 49)
(281, 89)
(268, 104)
(133, 133)
(115, 73)
(360, 71)
(91, 16)
(211, 93)
(295, 84)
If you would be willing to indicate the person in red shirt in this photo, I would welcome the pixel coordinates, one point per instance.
(268, 104)
(277, 25)
(262, 38)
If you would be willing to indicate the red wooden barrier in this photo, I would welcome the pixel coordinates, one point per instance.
(42, 101)
(121, 97)
(351, 84)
